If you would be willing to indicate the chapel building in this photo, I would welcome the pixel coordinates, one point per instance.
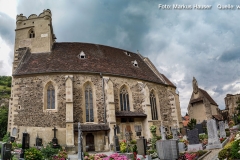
(202, 106)
(58, 84)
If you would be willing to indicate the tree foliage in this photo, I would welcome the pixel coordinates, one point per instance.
(3, 121)
(192, 123)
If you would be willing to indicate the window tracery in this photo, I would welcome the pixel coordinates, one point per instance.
(89, 104)
(153, 106)
(50, 97)
(124, 100)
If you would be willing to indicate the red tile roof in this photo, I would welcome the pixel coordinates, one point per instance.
(99, 59)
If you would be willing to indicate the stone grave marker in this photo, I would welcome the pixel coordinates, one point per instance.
(200, 128)
(226, 125)
(6, 151)
(222, 129)
(174, 133)
(167, 149)
(184, 131)
(25, 143)
(142, 146)
(193, 137)
(213, 139)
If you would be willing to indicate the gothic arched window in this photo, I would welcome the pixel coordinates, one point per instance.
(31, 34)
(89, 104)
(153, 106)
(50, 97)
(124, 100)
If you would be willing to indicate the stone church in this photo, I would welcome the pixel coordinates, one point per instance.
(58, 84)
(201, 105)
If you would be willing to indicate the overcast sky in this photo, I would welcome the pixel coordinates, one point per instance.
(180, 43)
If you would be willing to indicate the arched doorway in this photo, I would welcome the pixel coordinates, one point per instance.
(90, 142)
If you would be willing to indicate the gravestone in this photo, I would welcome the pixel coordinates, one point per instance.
(174, 133)
(25, 143)
(213, 139)
(200, 128)
(167, 149)
(181, 147)
(38, 141)
(12, 139)
(193, 137)
(184, 131)
(6, 151)
(116, 140)
(138, 130)
(162, 130)
(80, 146)
(222, 129)
(226, 125)
(142, 146)
(55, 140)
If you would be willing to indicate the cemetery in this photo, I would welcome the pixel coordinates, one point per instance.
(192, 143)
(181, 144)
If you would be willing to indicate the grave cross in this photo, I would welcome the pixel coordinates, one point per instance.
(54, 130)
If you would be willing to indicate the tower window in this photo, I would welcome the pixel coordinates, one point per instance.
(31, 34)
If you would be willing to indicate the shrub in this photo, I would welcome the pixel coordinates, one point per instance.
(33, 154)
(48, 151)
(234, 149)
(159, 137)
(223, 154)
(133, 142)
(203, 136)
(6, 137)
(227, 133)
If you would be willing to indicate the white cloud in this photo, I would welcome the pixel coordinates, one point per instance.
(9, 7)
(5, 51)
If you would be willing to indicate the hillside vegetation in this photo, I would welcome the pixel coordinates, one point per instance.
(5, 86)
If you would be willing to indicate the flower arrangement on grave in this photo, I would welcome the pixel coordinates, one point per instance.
(123, 146)
(231, 124)
(222, 139)
(115, 156)
(153, 129)
(62, 155)
(33, 154)
(48, 151)
(98, 156)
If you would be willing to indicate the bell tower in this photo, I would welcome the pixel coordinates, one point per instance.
(35, 32)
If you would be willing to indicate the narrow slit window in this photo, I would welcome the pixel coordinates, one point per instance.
(50, 97)
(89, 104)
(153, 106)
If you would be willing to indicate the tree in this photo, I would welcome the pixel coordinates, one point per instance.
(192, 123)
(3, 121)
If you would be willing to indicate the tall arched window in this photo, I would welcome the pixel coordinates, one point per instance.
(153, 106)
(50, 97)
(31, 34)
(124, 100)
(89, 104)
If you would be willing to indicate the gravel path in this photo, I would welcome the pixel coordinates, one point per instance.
(213, 155)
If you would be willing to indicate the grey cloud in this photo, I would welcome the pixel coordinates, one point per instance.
(230, 55)
(7, 28)
(201, 43)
